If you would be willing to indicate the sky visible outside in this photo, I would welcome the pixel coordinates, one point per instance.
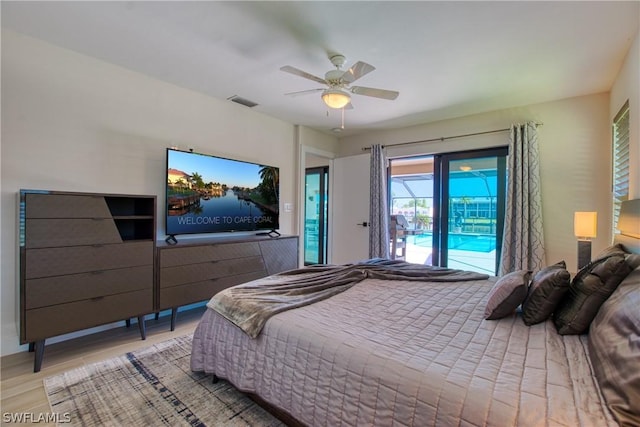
(215, 169)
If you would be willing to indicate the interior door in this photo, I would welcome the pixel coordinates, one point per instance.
(350, 209)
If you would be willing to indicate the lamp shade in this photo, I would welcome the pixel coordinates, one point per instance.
(585, 224)
(335, 98)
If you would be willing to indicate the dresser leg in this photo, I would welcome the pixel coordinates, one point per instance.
(174, 314)
(32, 347)
(127, 323)
(141, 326)
(39, 349)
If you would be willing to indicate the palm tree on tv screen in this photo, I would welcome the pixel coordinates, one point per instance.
(269, 186)
(196, 178)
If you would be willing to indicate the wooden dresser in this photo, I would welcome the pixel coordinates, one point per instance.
(85, 260)
(194, 270)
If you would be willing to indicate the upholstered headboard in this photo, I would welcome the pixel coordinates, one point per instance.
(629, 226)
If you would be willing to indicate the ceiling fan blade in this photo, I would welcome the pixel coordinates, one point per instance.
(377, 93)
(304, 92)
(356, 71)
(298, 72)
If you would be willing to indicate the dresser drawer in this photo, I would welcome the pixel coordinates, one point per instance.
(83, 259)
(197, 254)
(65, 206)
(201, 291)
(60, 319)
(75, 287)
(173, 276)
(42, 233)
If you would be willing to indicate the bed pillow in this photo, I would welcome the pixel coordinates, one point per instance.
(611, 250)
(507, 294)
(589, 289)
(632, 259)
(547, 288)
(614, 350)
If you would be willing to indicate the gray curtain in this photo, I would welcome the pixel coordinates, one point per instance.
(379, 210)
(523, 241)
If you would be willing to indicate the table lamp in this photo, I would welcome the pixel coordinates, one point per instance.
(585, 225)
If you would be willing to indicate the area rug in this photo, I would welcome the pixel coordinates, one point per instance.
(151, 387)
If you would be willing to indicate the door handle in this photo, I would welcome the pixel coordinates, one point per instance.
(364, 224)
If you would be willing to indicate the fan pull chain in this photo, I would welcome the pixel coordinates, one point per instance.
(342, 117)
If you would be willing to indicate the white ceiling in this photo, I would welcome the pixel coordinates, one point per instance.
(447, 59)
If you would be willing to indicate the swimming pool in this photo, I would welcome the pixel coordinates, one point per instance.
(460, 241)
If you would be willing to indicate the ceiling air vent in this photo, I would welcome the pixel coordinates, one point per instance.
(242, 101)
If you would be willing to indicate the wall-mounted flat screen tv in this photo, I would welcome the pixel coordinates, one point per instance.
(210, 194)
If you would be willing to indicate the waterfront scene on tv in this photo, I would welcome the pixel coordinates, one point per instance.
(208, 194)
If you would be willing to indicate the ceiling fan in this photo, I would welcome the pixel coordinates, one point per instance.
(337, 95)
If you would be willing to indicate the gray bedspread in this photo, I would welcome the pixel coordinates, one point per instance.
(250, 305)
(407, 353)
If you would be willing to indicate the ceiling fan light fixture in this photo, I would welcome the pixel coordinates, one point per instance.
(335, 98)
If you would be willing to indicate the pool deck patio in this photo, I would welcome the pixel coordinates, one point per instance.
(482, 262)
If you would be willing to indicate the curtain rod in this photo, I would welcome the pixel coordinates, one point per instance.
(444, 138)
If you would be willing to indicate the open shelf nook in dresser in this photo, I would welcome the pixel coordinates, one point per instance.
(86, 259)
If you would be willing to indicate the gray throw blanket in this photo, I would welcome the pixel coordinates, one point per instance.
(250, 305)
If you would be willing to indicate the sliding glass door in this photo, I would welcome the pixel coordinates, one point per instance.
(316, 215)
(469, 191)
(453, 207)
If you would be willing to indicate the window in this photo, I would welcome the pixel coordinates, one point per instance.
(620, 160)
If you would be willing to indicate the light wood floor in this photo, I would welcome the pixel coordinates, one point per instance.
(22, 390)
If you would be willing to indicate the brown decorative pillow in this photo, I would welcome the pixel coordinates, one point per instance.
(547, 288)
(507, 294)
(588, 290)
(633, 260)
(611, 250)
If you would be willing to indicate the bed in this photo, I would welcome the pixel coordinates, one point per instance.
(400, 350)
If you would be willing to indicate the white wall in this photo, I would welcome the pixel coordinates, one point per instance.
(316, 140)
(575, 165)
(627, 87)
(73, 123)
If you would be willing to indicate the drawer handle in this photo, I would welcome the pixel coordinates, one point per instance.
(214, 279)
(97, 298)
(213, 261)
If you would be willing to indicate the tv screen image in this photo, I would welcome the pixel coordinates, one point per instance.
(210, 194)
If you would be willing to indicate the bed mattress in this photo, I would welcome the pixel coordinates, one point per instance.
(406, 353)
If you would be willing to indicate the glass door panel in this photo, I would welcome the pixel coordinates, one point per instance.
(315, 215)
(411, 196)
(472, 220)
(471, 207)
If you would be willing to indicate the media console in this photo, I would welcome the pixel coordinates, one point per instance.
(194, 270)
